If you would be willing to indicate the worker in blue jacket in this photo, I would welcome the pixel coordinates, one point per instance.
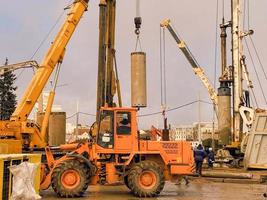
(199, 155)
(211, 158)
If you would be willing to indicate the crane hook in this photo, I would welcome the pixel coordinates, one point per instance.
(138, 23)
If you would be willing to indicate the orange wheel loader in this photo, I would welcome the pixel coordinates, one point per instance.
(118, 154)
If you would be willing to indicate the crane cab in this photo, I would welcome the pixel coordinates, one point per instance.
(117, 131)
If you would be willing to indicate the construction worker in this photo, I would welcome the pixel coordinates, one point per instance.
(211, 158)
(199, 155)
(124, 126)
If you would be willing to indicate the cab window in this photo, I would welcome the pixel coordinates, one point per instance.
(106, 134)
(123, 123)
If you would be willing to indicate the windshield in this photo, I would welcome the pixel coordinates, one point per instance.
(105, 137)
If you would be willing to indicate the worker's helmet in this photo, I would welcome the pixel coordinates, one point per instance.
(124, 116)
(210, 149)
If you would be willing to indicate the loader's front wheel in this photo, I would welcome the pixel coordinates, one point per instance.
(146, 179)
(126, 182)
(70, 178)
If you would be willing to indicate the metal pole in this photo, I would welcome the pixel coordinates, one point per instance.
(224, 92)
(101, 57)
(213, 130)
(199, 118)
(77, 121)
(110, 44)
(237, 74)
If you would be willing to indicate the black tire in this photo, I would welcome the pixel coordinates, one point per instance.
(126, 182)
(156, 179)
(80, 183)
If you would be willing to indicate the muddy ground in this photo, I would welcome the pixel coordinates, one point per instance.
(196, 190)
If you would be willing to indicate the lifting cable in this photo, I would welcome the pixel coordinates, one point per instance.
(163, 81)
(256, 72)
(138, 43)
(223, 5)
(138, 23)
(251, 39)
(46, 37)
(258, 57)
(247, 12)
(215, 54)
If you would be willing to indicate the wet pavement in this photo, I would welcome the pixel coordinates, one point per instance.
(194, 191)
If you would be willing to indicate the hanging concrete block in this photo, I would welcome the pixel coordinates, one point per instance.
(138, 79)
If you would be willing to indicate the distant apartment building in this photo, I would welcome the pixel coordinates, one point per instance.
(182, 132)
(191, 132)
(206, 130)
(73, 133)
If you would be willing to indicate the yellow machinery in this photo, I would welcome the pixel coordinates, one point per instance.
(7, 160)
(191, 59)
(19, 129)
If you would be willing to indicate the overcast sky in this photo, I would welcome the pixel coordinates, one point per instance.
(24, 24)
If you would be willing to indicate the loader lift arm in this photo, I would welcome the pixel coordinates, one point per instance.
(191, 59)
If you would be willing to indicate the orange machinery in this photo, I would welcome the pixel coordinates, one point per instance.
(118, 154)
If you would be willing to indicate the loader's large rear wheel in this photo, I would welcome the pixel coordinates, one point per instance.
(146, 179)
(70, 178)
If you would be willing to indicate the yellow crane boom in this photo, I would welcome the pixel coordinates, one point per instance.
(191, 59)
(52, 58)
(18, 128)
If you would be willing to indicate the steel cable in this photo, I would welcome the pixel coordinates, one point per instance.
(45, 38)
(215, 54)
(83, 113)
(169, 110)
(258, 57)
(256, 72)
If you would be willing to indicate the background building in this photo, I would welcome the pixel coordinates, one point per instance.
(191, 132)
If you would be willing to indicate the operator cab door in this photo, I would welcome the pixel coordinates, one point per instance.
(105, 136)
(123, 131)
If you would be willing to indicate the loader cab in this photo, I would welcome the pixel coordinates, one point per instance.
(117, 129)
